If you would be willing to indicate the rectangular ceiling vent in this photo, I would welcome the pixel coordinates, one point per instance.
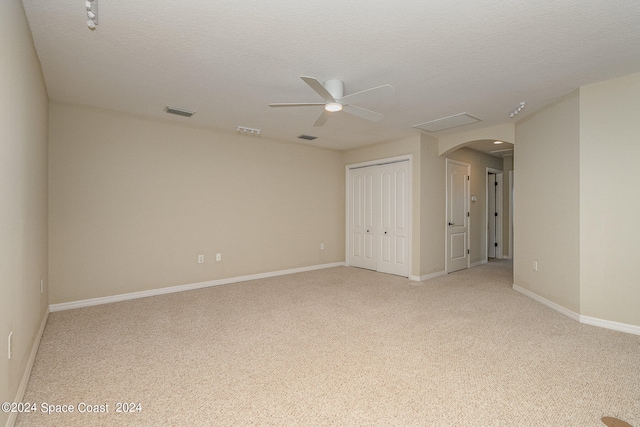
(447, 122)
(179, 111)
(307, 137)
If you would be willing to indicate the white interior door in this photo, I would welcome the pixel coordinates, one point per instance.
(379, 229)
(361, 222)
(491, 215)
(457, 215)
(393, 234)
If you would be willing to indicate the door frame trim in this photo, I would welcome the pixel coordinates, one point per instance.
(499, 203)
(510, 256)
(446, 212)
(380, 162)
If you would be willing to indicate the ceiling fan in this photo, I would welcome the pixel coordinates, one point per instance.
(332, 91)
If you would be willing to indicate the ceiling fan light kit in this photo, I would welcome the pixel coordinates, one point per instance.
(332, 92)
(332, 107)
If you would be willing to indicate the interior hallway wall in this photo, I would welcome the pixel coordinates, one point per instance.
(23, 197)
(609, 203)
(433, 201)
(547, 202)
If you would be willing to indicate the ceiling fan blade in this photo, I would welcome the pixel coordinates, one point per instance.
(289, 104)
(319, 88)
(322, 119)
(384, 90)
(361, 112)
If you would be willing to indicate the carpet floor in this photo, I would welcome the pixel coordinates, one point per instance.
(334, 347)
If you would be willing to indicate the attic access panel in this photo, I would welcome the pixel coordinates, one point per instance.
(447, 122)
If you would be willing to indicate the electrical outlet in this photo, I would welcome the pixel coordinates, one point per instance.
(10, 345)
(200, 259)
(535, 265)
(322, 246)
(218, 257)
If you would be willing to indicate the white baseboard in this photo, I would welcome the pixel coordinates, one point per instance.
(507, 257)
(27, 370)
(557, 307)
(428, 276)
(475, 264)
(180, 288)
(607, 324)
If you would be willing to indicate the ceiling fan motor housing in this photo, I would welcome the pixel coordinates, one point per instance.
(332, 92)
(335, 88)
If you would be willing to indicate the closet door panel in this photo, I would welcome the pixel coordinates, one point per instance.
(379, 222)
(361, 220)
(393, 230)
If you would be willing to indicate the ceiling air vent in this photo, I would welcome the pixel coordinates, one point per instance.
(179, 111)
(307, 137)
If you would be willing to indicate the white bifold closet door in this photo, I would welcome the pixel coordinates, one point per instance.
(378, 223)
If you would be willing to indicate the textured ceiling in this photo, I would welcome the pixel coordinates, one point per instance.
(227, 60)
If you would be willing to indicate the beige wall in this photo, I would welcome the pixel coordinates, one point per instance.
(133, 202)
(547, 202)
(479, 163)
(432, 201)
(23, 197)
(384, 150)
(609, 203)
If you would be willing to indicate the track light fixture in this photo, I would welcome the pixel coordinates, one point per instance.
(517, 110)
(92, 13)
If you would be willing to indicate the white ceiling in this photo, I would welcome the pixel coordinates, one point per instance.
(227, 60)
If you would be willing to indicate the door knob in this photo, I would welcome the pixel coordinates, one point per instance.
(452, 223)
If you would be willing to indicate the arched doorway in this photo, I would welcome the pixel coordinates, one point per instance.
(488, 158)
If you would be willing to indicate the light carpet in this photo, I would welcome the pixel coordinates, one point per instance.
(336, 347)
